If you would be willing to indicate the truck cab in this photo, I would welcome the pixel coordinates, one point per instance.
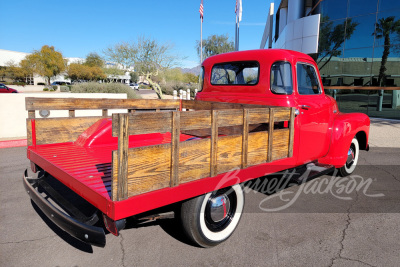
(277, 77)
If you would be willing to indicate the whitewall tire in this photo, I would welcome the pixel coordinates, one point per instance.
(212, 218)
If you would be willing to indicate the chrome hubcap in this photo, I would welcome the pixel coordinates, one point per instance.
(220, 206)
(350, 157)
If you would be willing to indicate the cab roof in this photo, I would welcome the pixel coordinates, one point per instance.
(265, 55)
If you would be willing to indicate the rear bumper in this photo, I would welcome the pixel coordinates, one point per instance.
(82, 231)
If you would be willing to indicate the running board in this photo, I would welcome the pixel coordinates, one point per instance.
(310, 171)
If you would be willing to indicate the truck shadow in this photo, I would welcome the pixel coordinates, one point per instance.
(170, 224)
(63, 235)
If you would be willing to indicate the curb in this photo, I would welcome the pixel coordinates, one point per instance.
(13, 143)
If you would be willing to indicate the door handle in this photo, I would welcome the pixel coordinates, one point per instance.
(306, 107)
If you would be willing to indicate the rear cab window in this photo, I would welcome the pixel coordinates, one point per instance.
(235, 73)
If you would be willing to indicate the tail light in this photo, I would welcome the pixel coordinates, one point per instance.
(113, 226)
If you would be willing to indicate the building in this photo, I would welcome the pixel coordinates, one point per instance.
(354, 42)
(8, 57)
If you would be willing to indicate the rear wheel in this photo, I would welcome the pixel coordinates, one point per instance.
(211, 218)
(352, 158)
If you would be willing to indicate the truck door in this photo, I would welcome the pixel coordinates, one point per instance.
(314, 114)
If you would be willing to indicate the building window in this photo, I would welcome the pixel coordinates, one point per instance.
(281, 78)
(29, 80)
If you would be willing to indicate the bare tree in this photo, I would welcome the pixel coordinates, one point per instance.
(148, 57)
(214, 45)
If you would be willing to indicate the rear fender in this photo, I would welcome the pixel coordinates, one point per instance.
(346, 126)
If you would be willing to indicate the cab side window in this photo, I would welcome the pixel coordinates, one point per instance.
(281, 78)
(307, 80)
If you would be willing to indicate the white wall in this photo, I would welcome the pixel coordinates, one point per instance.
(13, 114)
(300, 35)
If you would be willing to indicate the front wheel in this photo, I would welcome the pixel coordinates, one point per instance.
(211, 218)
(352, 158)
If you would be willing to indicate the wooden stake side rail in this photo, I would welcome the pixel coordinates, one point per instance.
(61, 130)
(144, 169)
(233, 136)
(72, 104)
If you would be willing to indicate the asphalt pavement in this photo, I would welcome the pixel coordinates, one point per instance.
(352, 221)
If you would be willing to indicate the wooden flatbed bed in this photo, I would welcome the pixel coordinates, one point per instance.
(141, 160)
(110, 171)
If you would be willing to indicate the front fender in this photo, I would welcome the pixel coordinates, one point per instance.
(345, 127)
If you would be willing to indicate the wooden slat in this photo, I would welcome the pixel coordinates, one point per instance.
(245, 138)
(258, 115)
(229, 153)
(281, 114)
(29, 131)
(230, 117)
(194, 160)
(270, 133)
(31, 114)
(33, 103)
(193, 120)
(214, 142)
(60, 130)
(123, 145)
(281, 144)
(175, 134)
(105, 112)
(147, 122)
(149, 168)
(258, 148)
(291, 129)
(206, 105)
(114, 182)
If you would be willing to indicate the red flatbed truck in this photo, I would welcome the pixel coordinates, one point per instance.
(258, 112)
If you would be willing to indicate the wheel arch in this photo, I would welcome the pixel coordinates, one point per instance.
(346, 126)
(362, 140)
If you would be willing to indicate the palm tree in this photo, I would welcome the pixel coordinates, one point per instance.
(383, 29)
(331, 39)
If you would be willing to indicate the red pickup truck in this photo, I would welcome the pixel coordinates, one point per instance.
(258, 112)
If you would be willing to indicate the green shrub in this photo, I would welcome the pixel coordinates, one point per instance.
(52, 90)
(14, 83)
(55, 87)
(113, 88)
(45, 89)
